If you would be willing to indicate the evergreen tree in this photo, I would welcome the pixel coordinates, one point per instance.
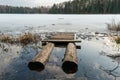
(87, 6)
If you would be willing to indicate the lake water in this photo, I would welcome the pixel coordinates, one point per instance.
(92, 65)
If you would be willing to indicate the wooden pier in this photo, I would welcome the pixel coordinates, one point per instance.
(70, 59)
(61, 39)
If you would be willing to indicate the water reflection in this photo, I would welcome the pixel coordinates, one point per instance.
(91, 65)
(115, 70)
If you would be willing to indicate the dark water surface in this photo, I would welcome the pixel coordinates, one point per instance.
(91, 65)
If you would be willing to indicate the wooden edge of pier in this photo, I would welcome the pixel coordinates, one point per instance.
(61, 41)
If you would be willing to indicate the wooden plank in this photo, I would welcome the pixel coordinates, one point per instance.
(70, 59)
(39, 61)
(61, 41)
(64, 46)
(60, 36)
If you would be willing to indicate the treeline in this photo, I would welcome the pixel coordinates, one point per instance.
(12, 9)
(70, 7)
(87, 7)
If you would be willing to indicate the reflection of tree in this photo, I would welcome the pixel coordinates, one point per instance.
(87, 76)
(112, 71)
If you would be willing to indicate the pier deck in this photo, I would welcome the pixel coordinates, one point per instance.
(62, 38)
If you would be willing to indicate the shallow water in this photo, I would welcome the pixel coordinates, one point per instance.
(92, 65)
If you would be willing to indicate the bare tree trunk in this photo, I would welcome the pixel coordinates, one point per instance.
(39, 61)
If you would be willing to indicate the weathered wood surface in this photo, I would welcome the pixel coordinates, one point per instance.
(64, 46)
(70, 60)
(39, 61)
(61, 40)
(61, 36)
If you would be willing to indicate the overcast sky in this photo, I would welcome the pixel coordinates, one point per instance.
(30, 3)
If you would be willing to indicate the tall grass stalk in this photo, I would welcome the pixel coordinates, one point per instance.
(114, 31)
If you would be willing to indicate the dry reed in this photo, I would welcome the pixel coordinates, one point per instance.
(24, 39)
(113, 26)
(117, 39)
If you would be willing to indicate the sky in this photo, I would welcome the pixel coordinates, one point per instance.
(30, 3)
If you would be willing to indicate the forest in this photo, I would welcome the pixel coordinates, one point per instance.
(23, 10)
(70, 7)
(87, 7)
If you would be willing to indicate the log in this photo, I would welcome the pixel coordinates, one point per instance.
(70, 60)
(39, 61)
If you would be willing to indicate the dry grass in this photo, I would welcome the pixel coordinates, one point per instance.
(114, 29)
(117, 39)
(24, 39)
(28, 38)
(5, 38)
(113, 26)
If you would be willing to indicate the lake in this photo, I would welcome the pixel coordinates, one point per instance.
(49, 22)
(92, 63)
